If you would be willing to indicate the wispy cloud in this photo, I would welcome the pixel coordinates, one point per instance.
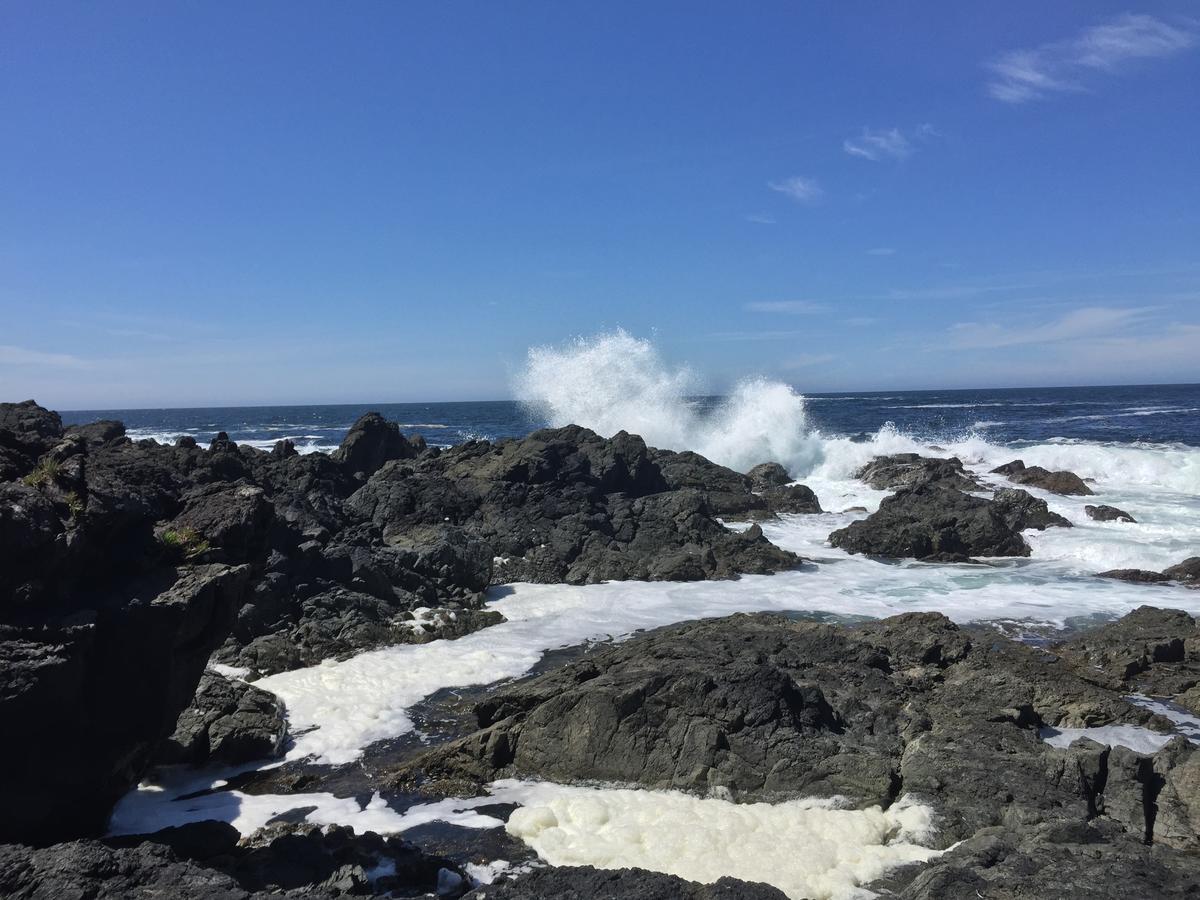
(876, 145)
(881, 251)
(1065, 66)
(22, 356)
(888, 143)
(801, 189)
(791, 307)
(1087, 322)
(756, 335)
(760, 219)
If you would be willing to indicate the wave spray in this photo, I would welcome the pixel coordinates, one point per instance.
(613, 381)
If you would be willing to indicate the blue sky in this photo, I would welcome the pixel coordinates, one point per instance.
(220, 203)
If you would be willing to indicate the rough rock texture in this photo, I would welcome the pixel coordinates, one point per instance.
(1149, 651)
(123, 564)
(92, 691)
(904, 470)
(1186, 572)
(567, 505)
(1022, 510)
(1061, 482)
(371, 442)
(228, 722)
(930, 521)
(1104, 513)
(587, 883)
(1073, 861)
(772, 708)
(205, 861)
(763, 492)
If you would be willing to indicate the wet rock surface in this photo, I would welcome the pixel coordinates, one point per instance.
(1061, 482)
(125, 564)
(1186, 573)
(930, 521)
(1103, 513)
(587, 883)
(905, 470)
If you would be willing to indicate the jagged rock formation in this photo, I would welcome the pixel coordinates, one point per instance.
(1061, 482)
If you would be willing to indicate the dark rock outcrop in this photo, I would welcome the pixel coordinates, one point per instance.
(768, 475)
(930, 521)
(1186, 572)
(228, 722)
(905, 470)
(92, 691)
(1060, 482)
(1104, 513)
(587, 883)
(1135, 576)
(205, 861)
(567, 505)
(1022, 510)
(371, 442)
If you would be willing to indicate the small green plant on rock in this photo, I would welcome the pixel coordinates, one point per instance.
(46, 473)
(75, 504)
(185, 542)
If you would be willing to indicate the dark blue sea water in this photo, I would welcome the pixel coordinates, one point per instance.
(1151, 413)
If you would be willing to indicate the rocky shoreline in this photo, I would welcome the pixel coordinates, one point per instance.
(129, 568)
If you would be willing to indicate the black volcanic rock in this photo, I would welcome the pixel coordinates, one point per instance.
(1136, 576)
(371, 442)
(1186, 572)
(587, 883)
(228, 722)
(1104, 513)
(1022, 510)
(768, 475)
(1060, 482)
(930, 521)
(770, 708)
(903, 470)
(91, 692)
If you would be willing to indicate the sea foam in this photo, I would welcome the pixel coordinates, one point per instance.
(612, 382)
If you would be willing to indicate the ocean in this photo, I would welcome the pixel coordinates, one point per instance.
(1145, 414)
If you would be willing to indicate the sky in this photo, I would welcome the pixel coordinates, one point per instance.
(216, 203)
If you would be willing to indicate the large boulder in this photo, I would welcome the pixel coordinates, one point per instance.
(1022, 510)
(1103, 513)
(232, 518)
(1186, 572)
(904, 470)
(227, 722)
(1059, 482)
(930, 521)
(371, 442)
(93, 692)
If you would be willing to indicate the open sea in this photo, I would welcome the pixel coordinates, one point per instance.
(1162, 414)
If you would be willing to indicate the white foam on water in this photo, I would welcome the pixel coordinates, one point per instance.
(806, 848)
(1136, 738)
(614, 381)
(177, 796)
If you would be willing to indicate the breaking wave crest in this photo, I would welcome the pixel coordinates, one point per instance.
(615, 382)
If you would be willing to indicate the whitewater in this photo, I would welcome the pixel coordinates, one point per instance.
(616, 382)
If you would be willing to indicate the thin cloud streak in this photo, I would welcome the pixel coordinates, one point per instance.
(1087, 322)
(1064, 66)
(876, 145)
(798, 188)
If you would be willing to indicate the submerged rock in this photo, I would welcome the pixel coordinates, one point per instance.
(1104, 513)
(930, 521)
(1060, 482)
